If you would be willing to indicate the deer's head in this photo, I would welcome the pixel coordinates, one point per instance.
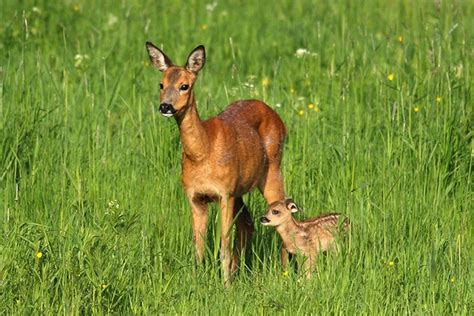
(279, 212)
(177, 82)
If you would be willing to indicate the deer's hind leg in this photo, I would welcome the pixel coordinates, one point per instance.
(245, 230)
(272, 186)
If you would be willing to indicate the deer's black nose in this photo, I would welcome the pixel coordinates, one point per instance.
(264, 220)
(167, 109)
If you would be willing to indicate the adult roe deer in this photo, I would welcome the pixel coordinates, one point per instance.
(223, 157)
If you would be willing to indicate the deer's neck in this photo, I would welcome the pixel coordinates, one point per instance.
(287, 231)
(192, 132)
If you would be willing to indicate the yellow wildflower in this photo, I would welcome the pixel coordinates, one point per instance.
(391, 263)
(416, 109)
(453, 280)
(391, 76)
(301, 112)
(265, 82)
(285, 274)
(311, 106)
(76, 7)
(104, 286)
(39, 255)
(400, 39)
(438, 99)
(204, 27)
(292, 91)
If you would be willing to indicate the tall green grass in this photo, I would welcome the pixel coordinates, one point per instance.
(89, 172)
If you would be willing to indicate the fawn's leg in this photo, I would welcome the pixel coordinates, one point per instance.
(199, 211)
(308, 266)
(227, 212)
(284, 255)
(245, 230)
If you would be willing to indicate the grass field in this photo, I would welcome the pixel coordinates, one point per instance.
(380, 115)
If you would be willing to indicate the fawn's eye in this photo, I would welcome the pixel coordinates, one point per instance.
(275, 212)
(161, 86)
(184, 87)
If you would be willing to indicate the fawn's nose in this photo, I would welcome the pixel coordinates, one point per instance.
(167, 109)
(264, 220)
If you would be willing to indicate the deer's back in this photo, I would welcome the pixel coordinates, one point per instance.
(251, 112)
(320, 232)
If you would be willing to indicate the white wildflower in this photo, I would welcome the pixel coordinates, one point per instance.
(114, 204)
(301, 52)
(458, 71)
(211, 6)
(112, 19)
(78, 60)
(251, 78)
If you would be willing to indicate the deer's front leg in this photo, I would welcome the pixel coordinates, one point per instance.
(227, 210)
(199, 211)
(284, 256)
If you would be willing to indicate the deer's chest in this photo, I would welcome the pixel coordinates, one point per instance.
(205, 177)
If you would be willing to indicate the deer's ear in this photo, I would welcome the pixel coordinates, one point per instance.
(196, 59)
(291, 205)
(157, 57)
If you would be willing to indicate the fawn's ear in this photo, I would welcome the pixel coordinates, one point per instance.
(290, 204)
(157, 57)
(196, 59)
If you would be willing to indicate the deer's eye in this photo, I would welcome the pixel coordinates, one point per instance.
(161, 86)
(184, 87)
(275, 212)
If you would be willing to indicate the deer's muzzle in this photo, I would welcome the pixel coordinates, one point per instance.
(167, 109)
(264, 220)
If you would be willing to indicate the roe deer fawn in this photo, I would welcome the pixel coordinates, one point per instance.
(308, 237)
(223, 157)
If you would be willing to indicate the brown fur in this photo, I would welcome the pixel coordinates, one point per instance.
(223, 157)
(309, 237)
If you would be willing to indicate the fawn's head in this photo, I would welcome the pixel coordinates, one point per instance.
(177, 83)
(279, 212)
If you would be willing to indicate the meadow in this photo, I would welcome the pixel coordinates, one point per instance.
(377, 99)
